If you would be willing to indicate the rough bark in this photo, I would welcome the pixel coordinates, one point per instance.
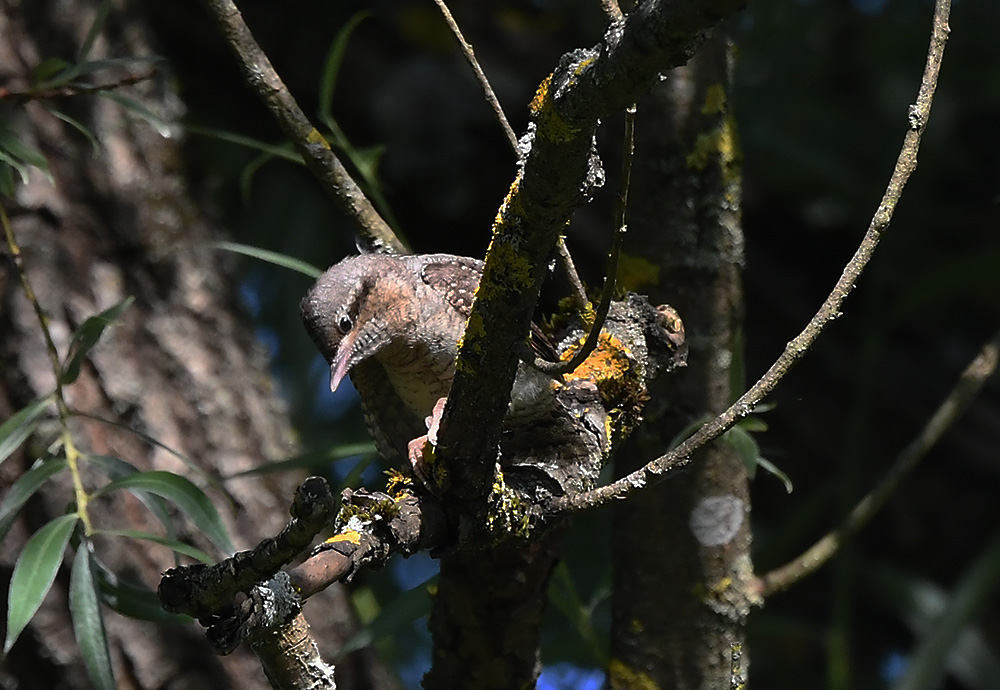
(181, 368)
(681, 549)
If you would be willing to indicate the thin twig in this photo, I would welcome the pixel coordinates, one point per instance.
(969, 384)
(579, 293)
(580, 296)
(611, 278)
(72, 454)
(906, 163)
(470, 56)
(75, 89)
(314, 149)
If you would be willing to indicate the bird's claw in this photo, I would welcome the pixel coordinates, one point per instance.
(421, 451)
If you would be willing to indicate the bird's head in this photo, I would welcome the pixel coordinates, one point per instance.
(355, 309)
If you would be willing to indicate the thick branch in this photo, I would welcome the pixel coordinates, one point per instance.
(310, 144)
(558, 174)
(905, 165)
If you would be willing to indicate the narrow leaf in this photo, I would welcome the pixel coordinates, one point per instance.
(311, 460)
(130, 599)
(82, 69)
(87, 335)
(179, 547)
(19, 427)
(10, 143)
(403, 610)
(271, 257)
(34, 573)
(6, 176)
(137, 108)
(752, 424)
(46, 69)
(88, 623)
(334, 60)
(22, 489)
(283, 151)
(745, 446)
(189, 498)
(95, 29)
(116, 468)
(776, 471)
(74, 123)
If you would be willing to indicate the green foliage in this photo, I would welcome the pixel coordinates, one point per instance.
(87, 335)
(189, 498)
(88, 623)
(383, 622)
(24, 487)
(34, 574)
(17, 157)
(275, 258)
(21, 425)
(130, 599)
(563, 595)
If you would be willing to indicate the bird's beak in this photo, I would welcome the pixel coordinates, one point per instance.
(341, 363)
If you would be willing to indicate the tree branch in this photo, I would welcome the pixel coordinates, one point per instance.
(906, 163)
(953, 406)
(314, 149)
(470, 57)
(611, 275)
(557, 175)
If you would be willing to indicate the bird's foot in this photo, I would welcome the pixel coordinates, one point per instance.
(421, 452)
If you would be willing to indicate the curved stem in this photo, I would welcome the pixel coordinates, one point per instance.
(906, 163)
(969, 384)
(314, 149)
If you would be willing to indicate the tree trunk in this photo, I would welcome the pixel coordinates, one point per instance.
(681, 549)
(182, 367)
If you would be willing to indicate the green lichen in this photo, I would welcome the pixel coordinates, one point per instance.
(505, 271)
(508, 515)
(378, 511)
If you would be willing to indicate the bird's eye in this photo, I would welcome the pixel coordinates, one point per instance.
(345, 324)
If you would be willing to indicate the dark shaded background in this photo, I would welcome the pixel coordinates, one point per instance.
(820, 96)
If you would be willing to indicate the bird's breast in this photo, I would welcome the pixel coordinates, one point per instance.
(419, 374)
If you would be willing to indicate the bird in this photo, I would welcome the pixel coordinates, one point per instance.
(393, 323)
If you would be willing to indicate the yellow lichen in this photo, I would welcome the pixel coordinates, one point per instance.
(705, 148)
(550, 125)
(505, 269)
(314, 137)
(637, 272)
(715, 100)
(623, 677)
(610, 368)
(541, 96)
(350, 535)
(508, 514)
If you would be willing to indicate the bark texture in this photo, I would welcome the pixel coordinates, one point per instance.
(681, 549)
(182, 367)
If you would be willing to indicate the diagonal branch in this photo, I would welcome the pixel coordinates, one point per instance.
(314, 149)
(557, 175)
(969, 384)
(906, 163)
(470, 57)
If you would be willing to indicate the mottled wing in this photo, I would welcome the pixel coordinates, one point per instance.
(456, 277)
